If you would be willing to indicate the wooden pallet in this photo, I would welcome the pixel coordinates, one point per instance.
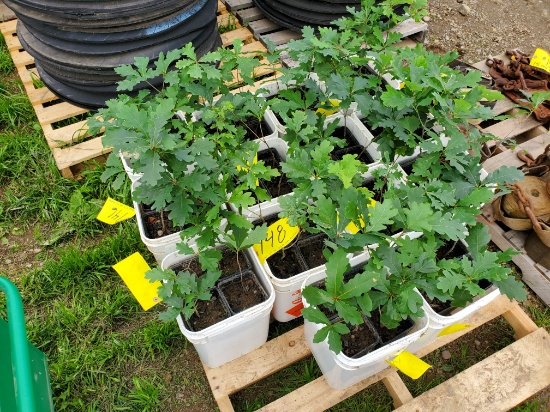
(502, 380)
(265, 30)
(64, 125)
(517, 128)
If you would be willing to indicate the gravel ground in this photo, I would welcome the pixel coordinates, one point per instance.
(482, 28)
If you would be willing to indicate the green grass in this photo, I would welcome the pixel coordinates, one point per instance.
(6, 63)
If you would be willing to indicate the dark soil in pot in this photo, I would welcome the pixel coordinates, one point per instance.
(361, 340)
(450, 250)
(208, 313)
(255, 129)
(228, 264)
(359, 151)
(390, 335)
(242, 291)
(279, 185)
(312, 250)
(342, 132)
(286, 263)
(232, 263)
(157, 224)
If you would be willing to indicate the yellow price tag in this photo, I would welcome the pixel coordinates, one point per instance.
(541, 60)
(132, 271)
(327, 112)
(279, 235)
(114, 212)
(410, 365)
(457, 327)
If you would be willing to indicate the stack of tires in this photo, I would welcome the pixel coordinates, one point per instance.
(295, 14)
(77, 44)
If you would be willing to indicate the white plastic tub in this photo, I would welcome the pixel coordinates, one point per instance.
(236, 335)
(341, 371)
(281, 147)
(288, 294)
(127, 164)
(437, 322)
(159, 247)
(358, 130)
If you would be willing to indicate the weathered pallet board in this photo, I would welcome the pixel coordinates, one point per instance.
(63, 124)
(517, 128)
(536, 276)
(291, 347)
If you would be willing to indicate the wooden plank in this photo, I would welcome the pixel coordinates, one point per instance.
(498, 383)
(225, 20)
(224, 404)
(271, 357)
(8, 27)
(503, 106)
(255, 46)
(510, 128)
(22, 59)
(535, 276)
(234, 5)
(520, 321)
(241, 33)
(410, 27)
(42, 95)
(58, 112)
(247, 15)
(319, 396)
(70, 156)
(67, 135)
(262, 26)
(281, 37)
(397, 389)
(221, 7)
(509, 157)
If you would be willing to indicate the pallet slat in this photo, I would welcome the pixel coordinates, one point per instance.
(497, 383)
(318, 395)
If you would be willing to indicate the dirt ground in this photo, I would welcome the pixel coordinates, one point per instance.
(482, 28)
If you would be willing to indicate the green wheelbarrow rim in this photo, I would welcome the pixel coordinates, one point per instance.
(21, 363)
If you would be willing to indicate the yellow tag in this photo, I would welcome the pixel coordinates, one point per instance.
(352, 227)
(327, 112)
(279, 235)
(541, 60)
(114, 212)
(246, 169)
(457, 327)
(410, 365)
(132, 271)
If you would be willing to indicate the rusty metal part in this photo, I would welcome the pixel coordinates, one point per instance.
(518, 76)
(525, 205)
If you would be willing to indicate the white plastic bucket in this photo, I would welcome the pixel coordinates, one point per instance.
(437, 322)
(341, 371)
(288, 294)
(161, 246)
(127, 164)
(281, 148)
(237, 335)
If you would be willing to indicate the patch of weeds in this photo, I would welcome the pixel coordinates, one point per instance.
(36, 81)
(146, 395)
(15, 108)
(540, 313)
(6, 63)
(230, 25)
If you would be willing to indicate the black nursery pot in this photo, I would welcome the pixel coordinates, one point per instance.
(362, 339)
(216, 308)
(242, 291)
